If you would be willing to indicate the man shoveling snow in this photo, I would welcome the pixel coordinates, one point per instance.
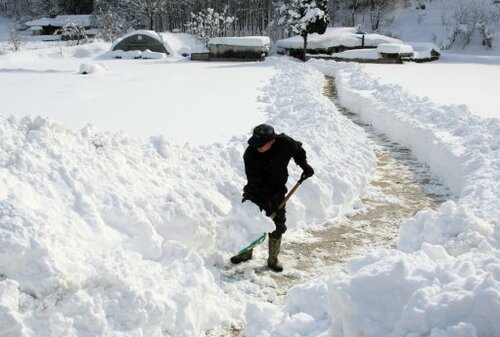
(266, 166)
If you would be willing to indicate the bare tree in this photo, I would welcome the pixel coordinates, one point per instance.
(15, 38)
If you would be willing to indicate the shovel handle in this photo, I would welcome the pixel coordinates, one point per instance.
(283, 203)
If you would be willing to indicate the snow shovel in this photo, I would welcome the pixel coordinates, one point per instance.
(272, 216)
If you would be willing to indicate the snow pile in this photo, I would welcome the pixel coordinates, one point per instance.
(394, 48)
(178, 44)
(92, 68)
(390, 293)
(334, 37)
(99, 233)
(444, 280)
(429, 293)
(126, 55)
(151, 55)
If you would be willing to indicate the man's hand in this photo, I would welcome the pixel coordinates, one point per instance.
(308, 171)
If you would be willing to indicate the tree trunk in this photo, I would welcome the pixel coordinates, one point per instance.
(304, 36)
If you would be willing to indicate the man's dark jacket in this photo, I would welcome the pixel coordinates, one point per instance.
(267, 172)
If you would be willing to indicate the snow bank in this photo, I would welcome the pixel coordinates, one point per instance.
(101, 233)
(459, 147)
(444, 280)
(151, 55)
(126, 55)
(27, 55)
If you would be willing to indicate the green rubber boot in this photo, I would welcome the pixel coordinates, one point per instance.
(242, 257)
(274, 250)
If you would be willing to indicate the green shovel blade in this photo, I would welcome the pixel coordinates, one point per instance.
(253, 244)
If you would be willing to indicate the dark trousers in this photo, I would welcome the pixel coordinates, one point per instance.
(280, 218)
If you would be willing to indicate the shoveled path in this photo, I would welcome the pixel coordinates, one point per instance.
(400, 188)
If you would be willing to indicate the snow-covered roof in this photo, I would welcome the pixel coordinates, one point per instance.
(334, 37)
(150, 33)
(251, 41)
(61, 21)
(394, 48)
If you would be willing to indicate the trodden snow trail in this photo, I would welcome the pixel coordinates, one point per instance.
(401, 187)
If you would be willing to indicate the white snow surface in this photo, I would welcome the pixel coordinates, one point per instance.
(140, 97)
(452, 80)
(338, 36)
(444, 279)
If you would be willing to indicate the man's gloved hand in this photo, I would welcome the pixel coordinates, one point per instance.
(245, 197)
(308, 171)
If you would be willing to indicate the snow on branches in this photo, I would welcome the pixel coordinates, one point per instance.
(303, 17)
(209, 23)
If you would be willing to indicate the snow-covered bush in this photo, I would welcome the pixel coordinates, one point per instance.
(209, 23)
(72, 32)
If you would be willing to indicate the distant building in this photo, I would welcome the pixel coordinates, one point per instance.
(249, 48)
(141, 40)
(334, 40)
(49, 26)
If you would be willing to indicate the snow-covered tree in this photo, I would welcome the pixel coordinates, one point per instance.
(114, 18)
(303, 17)
(471, 18)
(73, 32)
(209, 23)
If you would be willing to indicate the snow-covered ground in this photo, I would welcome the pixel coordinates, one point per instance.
(104, 233)
(139, 97)
(454, 79)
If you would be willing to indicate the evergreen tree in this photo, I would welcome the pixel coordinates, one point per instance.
(303, 17)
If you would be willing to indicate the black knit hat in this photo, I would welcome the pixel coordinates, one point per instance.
(262, 134)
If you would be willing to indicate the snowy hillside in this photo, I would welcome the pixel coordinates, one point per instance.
(471, 26)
